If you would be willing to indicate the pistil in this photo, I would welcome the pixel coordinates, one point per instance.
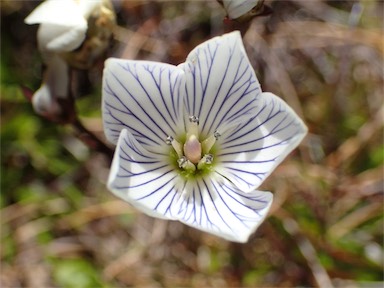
(192, 149)
(193, 154)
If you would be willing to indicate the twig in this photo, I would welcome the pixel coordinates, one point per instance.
(91, 140)
(307, 250)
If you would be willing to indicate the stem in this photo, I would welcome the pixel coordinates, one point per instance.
(91, 140)
(88, 138)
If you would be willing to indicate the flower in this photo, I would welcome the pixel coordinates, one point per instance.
(71, 33)
(64, 23)
(54, 88)
(244, 10)
(195, 141)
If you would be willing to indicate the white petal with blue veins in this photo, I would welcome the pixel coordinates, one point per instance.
(251, 151)
(144, 97)
(220, 83)
(217, 207)
(144, 179)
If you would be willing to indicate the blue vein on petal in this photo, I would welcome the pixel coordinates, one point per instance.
(148, 96)
(136, 149)
(159, 187)
(158, 85)
(218, 92)
(147, 182)
(119, 122)
(240, 179)
(212, 57)
(170, 204)
(202, 207)
(242, 110)
(272, 132)
(196, 221)
(283, 142)
(229, 93)
(129, 159)
(110, 92)
(228, 191)
(243, 196)
(225, 203)
(214, 204)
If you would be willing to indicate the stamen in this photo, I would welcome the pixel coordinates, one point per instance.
(208, 143)
(194, 119)
(185, 164)
(169, 140)
(192, 126)
(206, 160)
(181, 161)
(217, 135)
(176, 145)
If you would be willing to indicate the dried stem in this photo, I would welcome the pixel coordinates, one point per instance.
(91, 140)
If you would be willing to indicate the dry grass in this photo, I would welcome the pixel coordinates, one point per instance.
(61, 227)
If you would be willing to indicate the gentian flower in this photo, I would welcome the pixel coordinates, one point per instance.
(72, 33)
(64, 23)
(245, 10)
(195, 141)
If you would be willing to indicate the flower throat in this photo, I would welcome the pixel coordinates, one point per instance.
(194, 156)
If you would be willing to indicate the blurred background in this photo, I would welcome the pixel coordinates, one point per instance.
(62, 228)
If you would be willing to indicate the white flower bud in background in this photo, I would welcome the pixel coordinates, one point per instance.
(244, 10)
(72, 33)
(55, 84)
(237, 8)
(67, 25)
(62, 25)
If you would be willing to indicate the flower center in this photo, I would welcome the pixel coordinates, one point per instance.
(193, 155)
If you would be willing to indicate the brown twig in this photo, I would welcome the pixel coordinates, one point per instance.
(91, 140)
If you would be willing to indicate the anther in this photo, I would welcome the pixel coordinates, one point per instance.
(206, 160)
(176, 145)
(194, 119)
(217, 135)
(169, 140)
(185, 164)
(181, 161)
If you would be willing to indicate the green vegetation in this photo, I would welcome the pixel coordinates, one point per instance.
(62, 228)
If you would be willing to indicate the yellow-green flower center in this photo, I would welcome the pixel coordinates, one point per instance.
(193, 156)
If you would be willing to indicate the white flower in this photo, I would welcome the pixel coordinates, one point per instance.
(195, 141)
(54, 87)
(238, 8)
(64, 40)
(63, 23)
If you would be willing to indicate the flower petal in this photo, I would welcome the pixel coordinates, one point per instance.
(221, 83)
(57, 38)
(54, 87)
(251, 151)
(144, 179)
(58, 12)
(63, 26)
(144, 97)
(237, 8)
(88, 7)
(220, 208)
(57, 76)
